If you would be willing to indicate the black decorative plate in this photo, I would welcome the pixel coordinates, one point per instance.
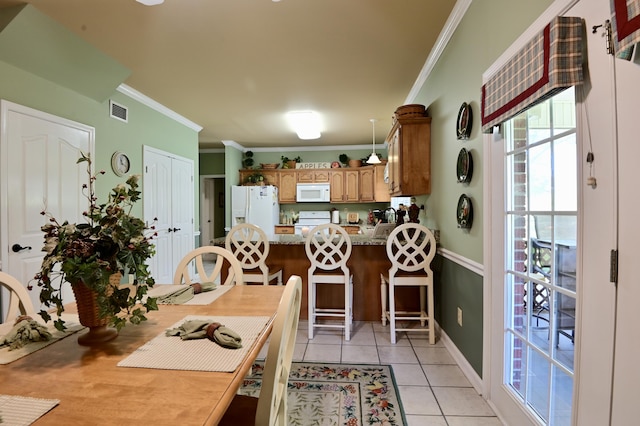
(464, 168)
(464, 212)
(464, 122)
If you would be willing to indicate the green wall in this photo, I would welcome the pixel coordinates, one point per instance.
(479, 40)
(482, 36)
(456, 286)
(312, 156)
(212, 163)
(145, 126)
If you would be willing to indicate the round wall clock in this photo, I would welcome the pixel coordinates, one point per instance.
(464, 122)
(120, 163)
(464, 212)
(464, 168)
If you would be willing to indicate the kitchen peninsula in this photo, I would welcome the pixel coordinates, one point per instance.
(368, 259)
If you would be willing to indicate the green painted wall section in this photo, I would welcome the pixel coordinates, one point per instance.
(212, 163)
(312, 156)
(456, 286)
(145, 126)
(479, 40)
(32, 41)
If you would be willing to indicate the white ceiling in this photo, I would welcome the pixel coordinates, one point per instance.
(235, 67)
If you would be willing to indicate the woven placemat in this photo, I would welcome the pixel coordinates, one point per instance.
(205, 298)
(22, 410)
(173, 353)
(71, 321)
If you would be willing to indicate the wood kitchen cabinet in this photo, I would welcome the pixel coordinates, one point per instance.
(381, 192)
(409, 145)
(271, 177)
(345, 186)
(313, 175)
(373, 188)
(287, 188)
(367, 184)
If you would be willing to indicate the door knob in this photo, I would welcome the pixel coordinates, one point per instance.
(18, 248)
(176, 229)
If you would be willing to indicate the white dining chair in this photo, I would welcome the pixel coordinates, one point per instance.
(328, 248)
(410, 248)
(19, 300)
(222, 257)
(250, 245)
(270, 408)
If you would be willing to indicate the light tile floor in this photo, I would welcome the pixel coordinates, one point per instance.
(432, 388)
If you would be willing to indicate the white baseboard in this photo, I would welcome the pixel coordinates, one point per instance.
(467, 369)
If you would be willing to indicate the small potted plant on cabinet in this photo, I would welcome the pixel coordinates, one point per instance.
(344, 159)
(290, 163)
(247, 161)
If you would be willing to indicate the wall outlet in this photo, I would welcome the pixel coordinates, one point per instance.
(460, 316)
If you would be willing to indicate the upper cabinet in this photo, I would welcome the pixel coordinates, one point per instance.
(409, 144)
(348, 185)
(345, 185)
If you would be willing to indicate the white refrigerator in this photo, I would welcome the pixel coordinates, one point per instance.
(257, 205)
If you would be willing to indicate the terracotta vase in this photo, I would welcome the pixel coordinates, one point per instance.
(355, 163)
(89, 315)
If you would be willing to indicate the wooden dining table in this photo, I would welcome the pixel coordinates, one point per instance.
(93, 390)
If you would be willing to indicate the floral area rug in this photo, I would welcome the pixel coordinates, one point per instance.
(336, 394)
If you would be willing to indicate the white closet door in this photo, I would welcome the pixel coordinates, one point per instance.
(39, 155)
(182, 210)
(168, 200)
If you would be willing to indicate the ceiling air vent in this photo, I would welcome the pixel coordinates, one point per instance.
(119, 112)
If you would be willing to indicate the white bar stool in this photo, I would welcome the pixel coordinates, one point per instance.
(250, 245)
(410, 248)
(328, 247)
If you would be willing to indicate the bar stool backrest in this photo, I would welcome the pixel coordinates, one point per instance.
(410, 248)
(328, 247)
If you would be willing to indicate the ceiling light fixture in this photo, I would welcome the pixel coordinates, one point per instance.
(305, 123)
(373, 158)
(150, 2)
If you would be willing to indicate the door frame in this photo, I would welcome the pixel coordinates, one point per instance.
(204, 208)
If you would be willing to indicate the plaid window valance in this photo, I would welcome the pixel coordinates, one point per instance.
(547, 64)
(626, 26)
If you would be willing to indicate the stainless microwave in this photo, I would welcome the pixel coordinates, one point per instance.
(313, 193)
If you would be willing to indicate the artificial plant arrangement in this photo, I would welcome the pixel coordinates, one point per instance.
(111, 241)
(290, 163)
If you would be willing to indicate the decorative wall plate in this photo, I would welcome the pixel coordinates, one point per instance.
(464, 168)
(464, 122)
(464, 212)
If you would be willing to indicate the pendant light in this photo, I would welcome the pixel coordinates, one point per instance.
(373, 158)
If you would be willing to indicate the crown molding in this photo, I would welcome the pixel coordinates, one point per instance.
(288, 148)
(449, 28)
(145, 100)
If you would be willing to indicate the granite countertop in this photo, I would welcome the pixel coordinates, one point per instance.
(295, 240)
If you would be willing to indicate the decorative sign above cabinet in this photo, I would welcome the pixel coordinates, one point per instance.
(321, 165)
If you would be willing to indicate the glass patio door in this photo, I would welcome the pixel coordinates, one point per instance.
(541, 242)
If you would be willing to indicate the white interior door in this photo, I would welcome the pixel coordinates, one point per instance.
(182, 209)
(168, 200)
(39, 172)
